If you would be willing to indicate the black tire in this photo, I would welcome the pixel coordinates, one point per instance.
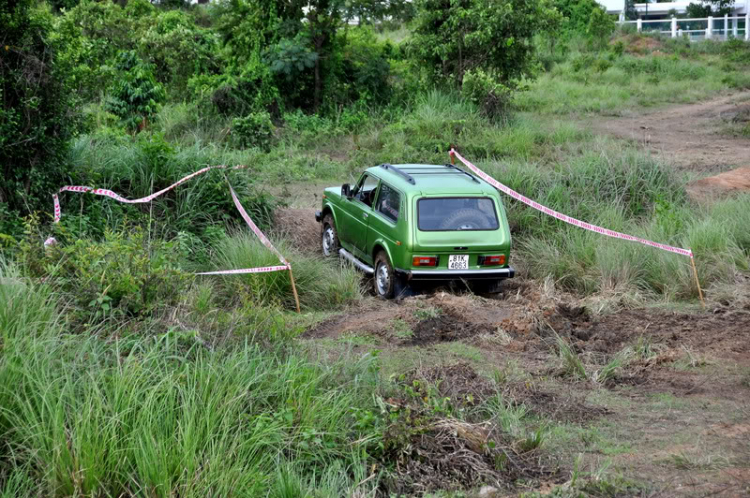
(384, 279)
(465, 217)
(329, 237)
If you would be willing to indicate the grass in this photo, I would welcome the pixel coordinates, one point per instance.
(321, 284)
(651, 71)
(571, 363)
(153, 416)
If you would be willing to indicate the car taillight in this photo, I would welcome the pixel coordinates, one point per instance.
(492, 260)
(424, 261)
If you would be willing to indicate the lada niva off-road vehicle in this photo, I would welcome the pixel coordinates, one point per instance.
(410, 223)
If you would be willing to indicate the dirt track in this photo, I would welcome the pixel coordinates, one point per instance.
(688, 136)
(674, 416)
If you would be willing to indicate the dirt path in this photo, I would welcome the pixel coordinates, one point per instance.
(688, 136)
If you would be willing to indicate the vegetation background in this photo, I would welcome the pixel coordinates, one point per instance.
(122, 373)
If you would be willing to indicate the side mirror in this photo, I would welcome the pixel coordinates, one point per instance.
(346, 191)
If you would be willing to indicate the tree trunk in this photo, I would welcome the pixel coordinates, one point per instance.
(318, 82)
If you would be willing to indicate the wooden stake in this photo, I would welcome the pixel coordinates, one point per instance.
(697, 282)
(453, 157)
(294, 288)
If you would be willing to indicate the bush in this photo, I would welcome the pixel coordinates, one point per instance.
(254, 130)
(493, 35)
(483, 89)
(85, 417)
(136, 96)
(123, 275)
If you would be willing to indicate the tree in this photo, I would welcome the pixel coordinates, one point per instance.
(456, 36)
(600, 27)
(136, 96)
(710, 8)
(35, 111)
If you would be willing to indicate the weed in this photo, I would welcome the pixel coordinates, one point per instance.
(609, 371)
(572, 366)
(427, 313)
(690, 360)
(401, 329)
(685, 461)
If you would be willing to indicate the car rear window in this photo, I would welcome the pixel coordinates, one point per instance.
(457, 213)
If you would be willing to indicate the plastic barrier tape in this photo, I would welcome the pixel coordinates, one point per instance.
(567, 219)
(254, 228)
(264, 269)
(108, 193)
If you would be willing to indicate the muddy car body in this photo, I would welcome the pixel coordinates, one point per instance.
(412, 223)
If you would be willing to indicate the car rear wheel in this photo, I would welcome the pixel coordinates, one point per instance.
(385, 279)
(329, 237)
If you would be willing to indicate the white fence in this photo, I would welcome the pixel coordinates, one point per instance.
(708, 28)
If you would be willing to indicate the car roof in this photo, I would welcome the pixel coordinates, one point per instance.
(431, 179)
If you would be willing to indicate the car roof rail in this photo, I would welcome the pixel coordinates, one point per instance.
(453, 166)
(401, 172)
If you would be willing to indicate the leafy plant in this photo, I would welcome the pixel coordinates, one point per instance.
(482, 88)
(136, 96)
(493, 35)
(254, 130)
(36, 119)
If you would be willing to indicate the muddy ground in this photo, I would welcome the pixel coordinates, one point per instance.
(659, 397)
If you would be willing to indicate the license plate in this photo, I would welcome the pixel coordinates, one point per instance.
(458, 262)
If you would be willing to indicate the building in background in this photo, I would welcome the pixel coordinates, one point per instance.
(664, 10)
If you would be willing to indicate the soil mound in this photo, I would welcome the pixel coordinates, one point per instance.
(731, 182)
(298, 225)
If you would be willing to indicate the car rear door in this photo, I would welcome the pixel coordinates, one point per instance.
(386, 215)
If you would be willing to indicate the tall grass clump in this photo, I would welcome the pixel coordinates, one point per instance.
(81, 417)
(321, 284)
(619, 188)
(26, 309)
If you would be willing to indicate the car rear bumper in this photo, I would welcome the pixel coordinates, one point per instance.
(448, 275)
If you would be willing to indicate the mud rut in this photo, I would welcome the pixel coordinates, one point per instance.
(699, 359)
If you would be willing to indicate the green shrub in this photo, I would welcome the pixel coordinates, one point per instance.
(85, 417)
(484, 90)
(136, 96)
(123, 275)
(25, 309)
(254, 130)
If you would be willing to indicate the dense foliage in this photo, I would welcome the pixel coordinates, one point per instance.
(457, 36)
(35, 112)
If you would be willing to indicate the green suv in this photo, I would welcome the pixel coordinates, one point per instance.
(410, 223)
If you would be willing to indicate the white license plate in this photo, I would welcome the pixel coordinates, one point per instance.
(458, 262)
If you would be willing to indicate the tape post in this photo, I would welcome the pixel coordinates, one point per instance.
(562, 217)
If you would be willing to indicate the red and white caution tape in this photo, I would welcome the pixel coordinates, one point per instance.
(108, 193)
(255, 228)
(567, 219)
(264, 269)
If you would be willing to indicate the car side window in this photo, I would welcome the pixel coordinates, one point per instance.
(366, 190)
(389, 202)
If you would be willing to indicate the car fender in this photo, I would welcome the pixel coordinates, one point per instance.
(329, 206)
(380, 241)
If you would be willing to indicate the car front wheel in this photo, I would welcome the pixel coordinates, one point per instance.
(329, 237)
(385, 280)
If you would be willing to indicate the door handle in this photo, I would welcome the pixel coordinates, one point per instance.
(365, 215)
